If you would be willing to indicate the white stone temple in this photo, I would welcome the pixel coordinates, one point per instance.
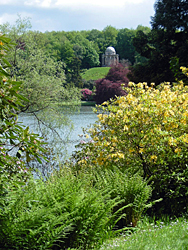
(110, 57)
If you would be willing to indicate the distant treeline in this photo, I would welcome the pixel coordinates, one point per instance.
(154, 55)
(87, 46)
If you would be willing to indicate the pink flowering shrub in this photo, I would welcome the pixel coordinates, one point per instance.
(86, 94)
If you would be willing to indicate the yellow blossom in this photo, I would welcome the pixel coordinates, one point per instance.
(140, 85)
(125, 128)
(185, 138)
(177, 150)
(172, 141)
(131, 150)
(183, 121)
(131, 84)
(153, 157)
(141, 150)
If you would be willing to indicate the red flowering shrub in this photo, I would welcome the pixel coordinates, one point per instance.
(110, 86)
(105, 90)
(118, 73)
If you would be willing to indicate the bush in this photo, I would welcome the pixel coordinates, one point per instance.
(145, 132)
(111, 86)
(106, 90)
(86, 95)
(118, 73)
(88, 84)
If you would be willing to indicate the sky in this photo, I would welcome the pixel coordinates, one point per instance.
(69, 15)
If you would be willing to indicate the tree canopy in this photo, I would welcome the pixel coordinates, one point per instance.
(168, 39)
(43, 80)
(18, 146)
(170, 15)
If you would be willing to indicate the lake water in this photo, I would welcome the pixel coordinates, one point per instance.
(81, 119)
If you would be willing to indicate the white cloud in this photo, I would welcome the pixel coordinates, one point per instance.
(75, 4)
(11, 2)
(100, 3)
(39, 3)
(11, 18)
(78, 14)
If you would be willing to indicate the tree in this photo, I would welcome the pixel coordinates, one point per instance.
(167, 39)
(74, 76)
(110, 35)
(170, 15)
(124, 46)
(43, 83)
(86, 52)
(18, 146)
(102, 39)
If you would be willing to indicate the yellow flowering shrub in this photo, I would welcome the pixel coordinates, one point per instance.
(184, 70)
(145, 131)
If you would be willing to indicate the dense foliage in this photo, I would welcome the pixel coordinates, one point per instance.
(17, 144)
(69, 210)
(145, 132)
(167, 40)
(134, 158)
(111, 86)
(43, 82)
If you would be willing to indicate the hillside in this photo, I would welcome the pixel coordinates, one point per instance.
(95, 73)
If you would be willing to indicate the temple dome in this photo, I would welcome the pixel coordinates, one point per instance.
(110, 51)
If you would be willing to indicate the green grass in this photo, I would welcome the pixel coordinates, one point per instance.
(95, 73)
(153, 236)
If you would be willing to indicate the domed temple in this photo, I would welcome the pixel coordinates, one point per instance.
(110, 57)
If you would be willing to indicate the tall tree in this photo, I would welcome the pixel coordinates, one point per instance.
(124, 46)
(16, 141)
(167, 39)
(87, 53)
(171, 15)
(43, 81)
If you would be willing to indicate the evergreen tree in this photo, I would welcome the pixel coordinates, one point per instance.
(167, 39)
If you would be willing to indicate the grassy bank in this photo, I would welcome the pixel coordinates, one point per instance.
(95, 73)
(153, 236)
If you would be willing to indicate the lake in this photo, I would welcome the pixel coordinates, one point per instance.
(81, 119)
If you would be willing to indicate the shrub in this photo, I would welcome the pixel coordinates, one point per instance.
(88, 84)
(111, 86)
(106, 90)
(86, 94)
(117, 73)
(145, 132)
